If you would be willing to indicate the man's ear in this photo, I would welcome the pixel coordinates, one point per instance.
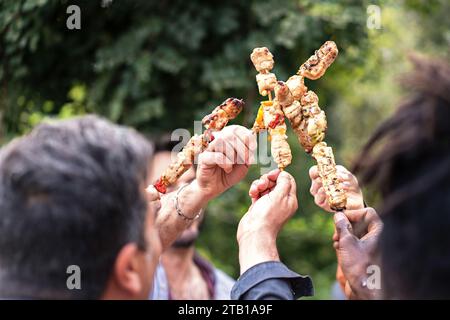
(127, 270)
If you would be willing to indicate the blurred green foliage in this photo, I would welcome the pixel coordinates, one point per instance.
(160, 65)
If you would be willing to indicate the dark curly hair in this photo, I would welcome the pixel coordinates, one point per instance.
(408, 161)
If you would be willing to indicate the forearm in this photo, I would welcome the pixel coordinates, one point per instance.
(255, 248)
(263, 276)
(169, 223)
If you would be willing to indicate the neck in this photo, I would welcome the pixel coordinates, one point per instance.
(178, 263)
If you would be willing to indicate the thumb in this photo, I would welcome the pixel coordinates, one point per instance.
(344, 230)
(283, 185)
(152, 193)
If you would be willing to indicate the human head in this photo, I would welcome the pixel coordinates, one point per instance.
(164, 152)
(72, 192)
(408, 161)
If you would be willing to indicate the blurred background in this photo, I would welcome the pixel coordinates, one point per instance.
(160, 65)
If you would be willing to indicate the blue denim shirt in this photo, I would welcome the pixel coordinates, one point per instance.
(271, 281)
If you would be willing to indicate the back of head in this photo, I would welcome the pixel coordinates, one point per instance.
(408, 161)
(70, 194)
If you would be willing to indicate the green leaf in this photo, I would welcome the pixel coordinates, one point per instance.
(144, 112)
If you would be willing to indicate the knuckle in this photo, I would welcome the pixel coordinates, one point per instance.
(346, 240)
(371, 214)
(342, 225)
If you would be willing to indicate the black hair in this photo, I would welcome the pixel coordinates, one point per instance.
(408, 161)
(164, 142)
(71, 193)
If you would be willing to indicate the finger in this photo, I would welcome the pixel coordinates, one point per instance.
(263, 183)
(342, 170)
(346, 185)
(241, 150)
(320, 197)
(373, 221)
(228, 142)
(271, 184)
(346, 177)
(241, 140)
(257, 191)
(293, 190)
(152, 193)
(356, 215)
(245, 135)
(315, 186)
(336, 245)
(253, 191)
(268, 179)
(283, 186)
(335, 235)
(348, 291)
(273, 175)
(358, 221)
(249, 139)
(238, 173)
(224, 147)
(313, 172)
(343, 176)
(344, 230)
(211, 159)
(366, 218)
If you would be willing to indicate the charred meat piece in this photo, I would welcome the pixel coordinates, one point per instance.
(318, 63)
(215, 121)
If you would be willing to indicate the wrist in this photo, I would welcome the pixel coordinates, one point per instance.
(255, 234)
(256, 247)
(192, 200)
